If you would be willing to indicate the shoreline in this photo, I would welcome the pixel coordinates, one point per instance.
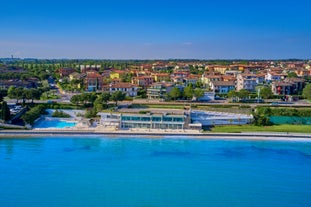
(154, 134)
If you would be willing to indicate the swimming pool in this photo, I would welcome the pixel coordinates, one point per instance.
(54, 123)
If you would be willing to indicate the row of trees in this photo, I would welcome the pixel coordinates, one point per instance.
(268, 111)
(188, 93)
(98, 102)
(95, 99)
(24, 94)
(264, 92)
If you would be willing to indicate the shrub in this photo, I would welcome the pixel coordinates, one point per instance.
(60, 114)
(34, 113)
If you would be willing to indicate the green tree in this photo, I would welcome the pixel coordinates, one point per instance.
(142, 93)
(261, 120)
(12, 92)
(101, 101)
(232, 93)
(198, 84)
(198, 93)
(105, 96)
(5, 112)
(118, 96)
(292, 75)
(20, 94)
(32, 94)
(188, 91)
(3, 93)
(88, 98)
(175, 93)
(307, 91)
(243, 94)
(76, 99)
(266, 92)
(99, 104)
(30, 116)
(17, 93)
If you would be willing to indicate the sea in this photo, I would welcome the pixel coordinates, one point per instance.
(131, 171)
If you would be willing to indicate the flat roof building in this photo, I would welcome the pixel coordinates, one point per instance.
(147, 121)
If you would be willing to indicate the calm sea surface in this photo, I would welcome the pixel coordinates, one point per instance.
(166, 172)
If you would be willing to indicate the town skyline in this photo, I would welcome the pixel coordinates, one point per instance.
(156, 30)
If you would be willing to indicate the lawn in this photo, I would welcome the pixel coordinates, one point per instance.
(274, 128)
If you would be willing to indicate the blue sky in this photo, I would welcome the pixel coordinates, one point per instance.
(156, 29)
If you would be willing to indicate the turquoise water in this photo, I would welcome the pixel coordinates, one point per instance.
(170, 172)
(54, 124)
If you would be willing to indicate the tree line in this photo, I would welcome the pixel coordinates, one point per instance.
(188, 93)
(24, 94)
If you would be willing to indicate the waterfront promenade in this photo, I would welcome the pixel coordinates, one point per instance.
(153, 133)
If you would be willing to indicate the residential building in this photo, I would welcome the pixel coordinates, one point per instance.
(297, 84)
(273, 76)
(232, 72)
(143, 81)
(207, 78)
(117, 73)
(87, 68)
(5, 84)
(65, 72)
(158, 90)
(302, 72)
(93, 81)
(179, 76)
(281, 88)
(76, 76)
(128, 88)
(221, 69)
(247, 82)
(289, 86)
(193, 79)
(159, 77)
(115, 81)
(222, 87)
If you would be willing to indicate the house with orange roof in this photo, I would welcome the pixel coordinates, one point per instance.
(65, 72)
(206, 78)
(93, 81)
(228, 78)
(302, 72)
(143, 81)
(179, 76)
(115, 73)
(159, 77)
(193, 79)
(128, 88)
(221, 69)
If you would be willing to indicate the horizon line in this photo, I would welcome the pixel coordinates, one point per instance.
(163, 59)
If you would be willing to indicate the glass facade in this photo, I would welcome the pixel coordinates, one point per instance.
(152, 121)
